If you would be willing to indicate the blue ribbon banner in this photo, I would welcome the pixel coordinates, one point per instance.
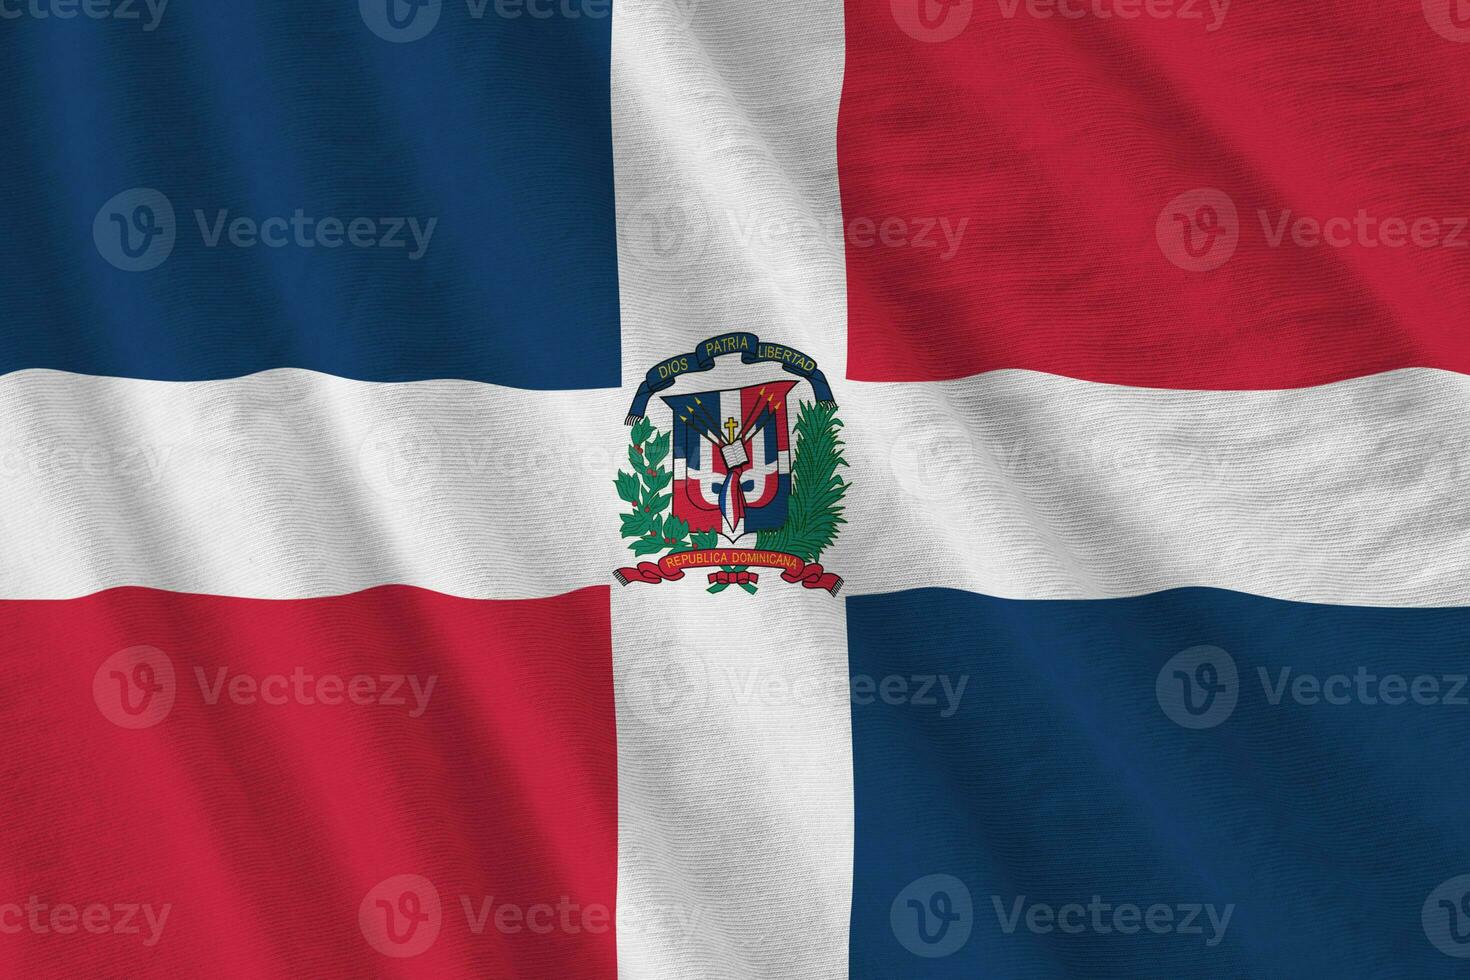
(751, 350)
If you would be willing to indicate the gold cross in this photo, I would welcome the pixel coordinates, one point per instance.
(730, 427)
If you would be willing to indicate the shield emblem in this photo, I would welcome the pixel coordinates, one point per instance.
(732, 458)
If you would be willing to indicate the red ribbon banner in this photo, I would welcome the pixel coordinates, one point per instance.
(733, 578)
(670, 568)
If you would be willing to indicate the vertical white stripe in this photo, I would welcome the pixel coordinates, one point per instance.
(735, 760)
(734, 782)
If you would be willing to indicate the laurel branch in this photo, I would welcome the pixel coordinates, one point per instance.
(651, 530)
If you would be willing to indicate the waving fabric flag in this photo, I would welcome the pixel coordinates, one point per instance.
(675, 489)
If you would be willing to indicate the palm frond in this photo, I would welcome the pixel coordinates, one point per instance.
(815, 506)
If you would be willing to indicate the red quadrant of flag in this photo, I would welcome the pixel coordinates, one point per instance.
(278, 780)
(1162, 201)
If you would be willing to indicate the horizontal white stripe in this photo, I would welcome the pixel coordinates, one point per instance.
(292, 484)
(1032, 486)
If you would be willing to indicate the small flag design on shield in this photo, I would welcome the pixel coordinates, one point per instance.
(732, 458)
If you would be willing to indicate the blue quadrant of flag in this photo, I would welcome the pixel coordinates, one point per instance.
(1319, 799)
(269, 124)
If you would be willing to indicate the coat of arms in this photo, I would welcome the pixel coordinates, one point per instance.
(722, 485)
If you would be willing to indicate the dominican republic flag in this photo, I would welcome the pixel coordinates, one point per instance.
(1114, 353)
(732, 459)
